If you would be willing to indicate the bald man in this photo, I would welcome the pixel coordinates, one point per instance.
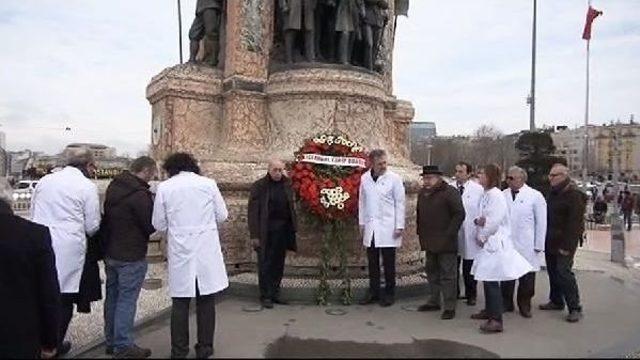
(565, 226)
(272, 228)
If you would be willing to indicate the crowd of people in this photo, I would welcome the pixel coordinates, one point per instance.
(49, 265)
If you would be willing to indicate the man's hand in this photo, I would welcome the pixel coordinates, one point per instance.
(398, 233)
(48, 354)
(481, 221)
(564, 252)
(255, 243)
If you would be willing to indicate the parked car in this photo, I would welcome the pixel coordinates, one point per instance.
(24, 189)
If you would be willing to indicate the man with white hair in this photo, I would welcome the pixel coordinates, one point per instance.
(528, 218)
(30, 301)
(272, 226)
(565, 207)
(67, 202)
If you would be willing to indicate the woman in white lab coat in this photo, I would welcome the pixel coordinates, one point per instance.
(498, 260)
(189, 208)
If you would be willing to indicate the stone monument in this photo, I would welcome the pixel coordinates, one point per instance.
(256, 104)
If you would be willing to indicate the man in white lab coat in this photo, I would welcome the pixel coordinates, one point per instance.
(381, 218)
(189, 208)
(67, 202)
(528, 218)
(471, 193)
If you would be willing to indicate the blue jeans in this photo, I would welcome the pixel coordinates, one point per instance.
(124, 282)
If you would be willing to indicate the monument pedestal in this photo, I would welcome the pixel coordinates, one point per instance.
(234, 133)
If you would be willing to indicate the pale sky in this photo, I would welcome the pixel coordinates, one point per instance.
(84, 64)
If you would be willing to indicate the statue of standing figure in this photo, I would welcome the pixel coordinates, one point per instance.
(349, 16)
(206, 26)
(376, 18)
(299, 15)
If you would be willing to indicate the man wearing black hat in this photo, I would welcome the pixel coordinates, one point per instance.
(440, 214)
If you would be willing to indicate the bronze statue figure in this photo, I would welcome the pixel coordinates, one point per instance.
(325, 33)
(299, 15)
(376, 18)
(349, 15)
(206, 25)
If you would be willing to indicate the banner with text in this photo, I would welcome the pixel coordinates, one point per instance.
(334, 160)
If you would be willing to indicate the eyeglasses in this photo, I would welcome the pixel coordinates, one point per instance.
(554, 175)
(510, 178)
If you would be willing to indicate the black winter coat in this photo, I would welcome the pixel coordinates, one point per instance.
(566, 206)
(128, 209)
(29, 289)
(258, 212)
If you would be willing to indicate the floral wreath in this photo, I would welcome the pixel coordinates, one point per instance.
(326, 178)
(328, 184)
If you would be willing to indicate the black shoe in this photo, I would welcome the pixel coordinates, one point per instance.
(551, 306)
(369, 299)
(64, 349)
(279, 301)
(428, 307)
(471, 302)
(387, 301)
(509, 309)
(108, 350)
(574, 316)
(133, 352)
(266, 303)
(204, 352)
(448, 315)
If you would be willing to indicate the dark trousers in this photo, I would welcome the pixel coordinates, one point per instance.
(206, 325)
(271, 264)
(627, 219)
(562, 281)
(389, 263)
(470, 283)
(66, 314)
(441, 274)
(526, 290)
(493, 300)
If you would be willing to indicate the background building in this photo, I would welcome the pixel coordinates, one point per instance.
(421, 135)
(610, 146)
(100, 152)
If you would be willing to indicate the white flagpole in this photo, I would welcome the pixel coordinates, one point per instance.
(585, 151)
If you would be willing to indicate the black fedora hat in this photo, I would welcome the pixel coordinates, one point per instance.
(431, 170)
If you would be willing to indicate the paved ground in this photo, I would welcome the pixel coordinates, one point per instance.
(611, 326)
(600, 240)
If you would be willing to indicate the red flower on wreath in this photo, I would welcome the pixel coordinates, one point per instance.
(329, 190)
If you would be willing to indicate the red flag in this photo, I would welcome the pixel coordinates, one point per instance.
(592, 14)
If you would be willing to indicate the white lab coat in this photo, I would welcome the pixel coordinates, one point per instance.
(68, 203)
(467, 235)
(381, 209)
(189, 207)
(498, 260)
(528, 217)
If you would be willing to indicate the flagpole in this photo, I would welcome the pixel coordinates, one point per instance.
(585, 151)
(180, 29)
